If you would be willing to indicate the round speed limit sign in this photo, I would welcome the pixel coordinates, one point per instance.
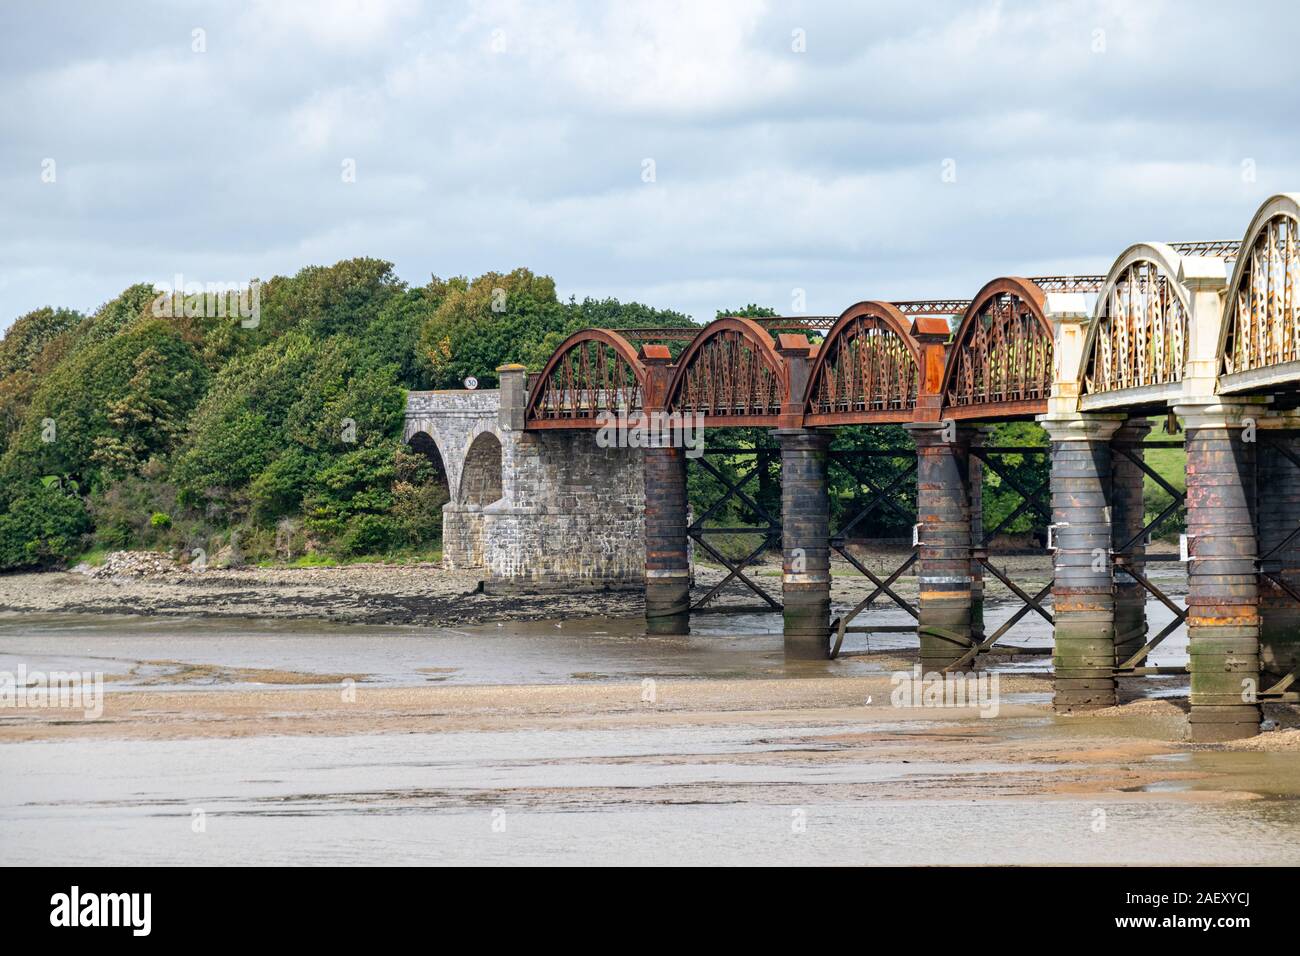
(471, 382)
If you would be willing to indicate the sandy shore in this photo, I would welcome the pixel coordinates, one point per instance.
(357, 594)
(423, 594)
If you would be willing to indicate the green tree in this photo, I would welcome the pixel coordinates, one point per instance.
(105, 397)
(606, 313)
(324, 300)
(145, 420)
(750, 311)
(1029, 471)
(486, 323)
(29, 335)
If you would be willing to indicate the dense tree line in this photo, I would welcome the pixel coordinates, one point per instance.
(279, 436)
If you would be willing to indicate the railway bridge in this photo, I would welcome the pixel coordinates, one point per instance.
(1208, 332)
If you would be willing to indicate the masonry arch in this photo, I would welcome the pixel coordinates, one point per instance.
(480, 480)
(422, 443)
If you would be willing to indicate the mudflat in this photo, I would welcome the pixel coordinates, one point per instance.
(424, 594)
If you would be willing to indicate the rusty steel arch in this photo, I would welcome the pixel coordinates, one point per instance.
(1259, 343)
(594, 373)
(732, 374)
(868, 369)
(1000, 363)
(1136, 347)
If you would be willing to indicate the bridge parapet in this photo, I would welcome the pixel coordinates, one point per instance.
(1259, 341)
(1137, 344)
(1000, 362)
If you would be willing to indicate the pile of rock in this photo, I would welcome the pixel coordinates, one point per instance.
(137, 564)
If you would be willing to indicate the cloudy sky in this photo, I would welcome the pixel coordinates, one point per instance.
(688, 155)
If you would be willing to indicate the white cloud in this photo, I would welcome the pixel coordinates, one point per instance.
(495, 134)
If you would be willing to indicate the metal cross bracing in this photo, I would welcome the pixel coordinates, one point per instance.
(1069, 283)
(1271, 562)
(817, 324)
(1036, 499)
(757, 464)
(1217, 248)
(928, 307)
(666, 334)
(1124, 558)
(884, 494)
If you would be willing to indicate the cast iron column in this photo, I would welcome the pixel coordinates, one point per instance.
(1222, 588)
(975, 486)
(1083, 599)
(667, 549)
(944, 558)
(1279, 516)
(805, 527)
(1128, 517)
(667, 566)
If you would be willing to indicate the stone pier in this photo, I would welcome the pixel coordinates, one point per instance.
(668, 569)
(533, 510)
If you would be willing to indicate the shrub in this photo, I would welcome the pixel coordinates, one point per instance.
(44, 526)
(369, 534)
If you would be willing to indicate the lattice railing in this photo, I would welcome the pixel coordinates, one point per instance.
(584, 381)
(1005, 356)
(1141, 334)
(1264, 313)
(867, 368)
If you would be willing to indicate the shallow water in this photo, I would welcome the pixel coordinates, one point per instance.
(540, 652)
(670, 795)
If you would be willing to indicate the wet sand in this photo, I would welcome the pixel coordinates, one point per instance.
(796, 770)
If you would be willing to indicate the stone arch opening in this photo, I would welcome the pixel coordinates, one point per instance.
(480, 482)
(422, 443)
(421, 489)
